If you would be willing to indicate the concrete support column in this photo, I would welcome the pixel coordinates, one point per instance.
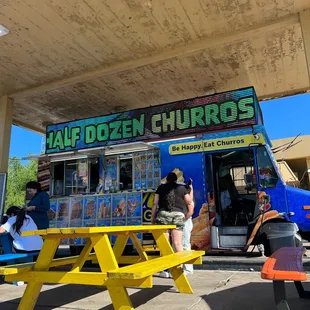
(6, 114)
(305, 27)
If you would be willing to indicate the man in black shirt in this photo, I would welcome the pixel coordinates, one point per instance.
(174, 206)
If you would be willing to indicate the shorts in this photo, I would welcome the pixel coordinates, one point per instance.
(171, 218)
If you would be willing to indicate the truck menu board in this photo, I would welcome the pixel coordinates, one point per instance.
(146, 169)
(118, 209)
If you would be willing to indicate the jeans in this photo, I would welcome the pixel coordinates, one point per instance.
(187, 243)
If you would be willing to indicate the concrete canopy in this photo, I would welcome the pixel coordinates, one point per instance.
(65, 60)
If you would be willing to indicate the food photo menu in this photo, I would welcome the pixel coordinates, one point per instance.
(121, 209)
(146, 166)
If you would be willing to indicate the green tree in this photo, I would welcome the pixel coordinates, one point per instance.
(18, 176)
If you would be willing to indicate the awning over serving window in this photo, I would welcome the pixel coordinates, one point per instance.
(92, 152)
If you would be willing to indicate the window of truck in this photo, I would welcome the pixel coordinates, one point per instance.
(268, 176)
(71, 177)
(125, 173)
(238, 176)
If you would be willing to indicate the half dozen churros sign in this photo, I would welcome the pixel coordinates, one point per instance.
(193, 116)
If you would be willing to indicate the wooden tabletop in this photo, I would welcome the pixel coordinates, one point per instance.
(97, 230)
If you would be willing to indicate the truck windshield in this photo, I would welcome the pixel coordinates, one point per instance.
(268, 177)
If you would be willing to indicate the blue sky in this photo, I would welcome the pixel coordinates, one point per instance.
(286, 117)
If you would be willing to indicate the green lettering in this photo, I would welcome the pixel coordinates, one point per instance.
(75, 136)
(90, 134)
(127, 129)
(183, 121)
(212, 111)
(115, 130)
(49, 140)
(156, 123)
(138, 126)
(59, 141)
(67, 139)
(246, 106)
(197, 117)
(103, 132)
(168, 121)
(228, 111)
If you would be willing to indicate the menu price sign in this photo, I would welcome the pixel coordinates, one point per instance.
(110, 172)
(146, 167)
(83, 168)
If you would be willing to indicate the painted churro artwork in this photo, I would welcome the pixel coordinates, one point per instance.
(90, 206)
(63, 210)
(104, 207)
(76, 208)
(119, 205)
(134, 205)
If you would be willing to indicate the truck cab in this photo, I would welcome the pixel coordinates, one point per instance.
(233, 172)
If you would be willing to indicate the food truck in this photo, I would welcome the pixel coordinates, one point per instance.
(104, 170)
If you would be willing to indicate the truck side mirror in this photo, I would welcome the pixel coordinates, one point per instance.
(266, 198)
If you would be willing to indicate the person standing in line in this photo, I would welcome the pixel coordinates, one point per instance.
(39, 205)
(188, 227)
(174, 207)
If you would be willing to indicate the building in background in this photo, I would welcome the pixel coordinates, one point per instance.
(293, 156)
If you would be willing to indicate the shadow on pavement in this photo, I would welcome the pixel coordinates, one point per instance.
(64, 295)
(253, 296)
(143, 296)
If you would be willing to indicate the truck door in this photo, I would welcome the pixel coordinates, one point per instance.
(210, 186)
(269, 180)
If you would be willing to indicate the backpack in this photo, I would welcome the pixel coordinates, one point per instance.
(169, 198)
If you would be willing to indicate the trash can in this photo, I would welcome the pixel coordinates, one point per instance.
(281, 234)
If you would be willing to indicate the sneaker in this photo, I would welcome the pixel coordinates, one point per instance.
(165, 274)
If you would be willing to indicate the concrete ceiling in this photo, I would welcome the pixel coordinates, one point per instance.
(64, 60)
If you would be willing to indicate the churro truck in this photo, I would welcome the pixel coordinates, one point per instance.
(104, 170)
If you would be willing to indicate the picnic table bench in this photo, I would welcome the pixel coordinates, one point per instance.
(12, 258)
(139, 274)
(285, 265)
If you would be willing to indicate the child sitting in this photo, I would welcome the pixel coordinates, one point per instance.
(18, 222)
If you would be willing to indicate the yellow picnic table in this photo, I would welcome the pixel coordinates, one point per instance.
(139, 274)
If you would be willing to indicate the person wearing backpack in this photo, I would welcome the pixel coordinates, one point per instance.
(174, 206)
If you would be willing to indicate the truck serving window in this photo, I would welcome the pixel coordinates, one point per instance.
(268, 177)
(125, 174)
